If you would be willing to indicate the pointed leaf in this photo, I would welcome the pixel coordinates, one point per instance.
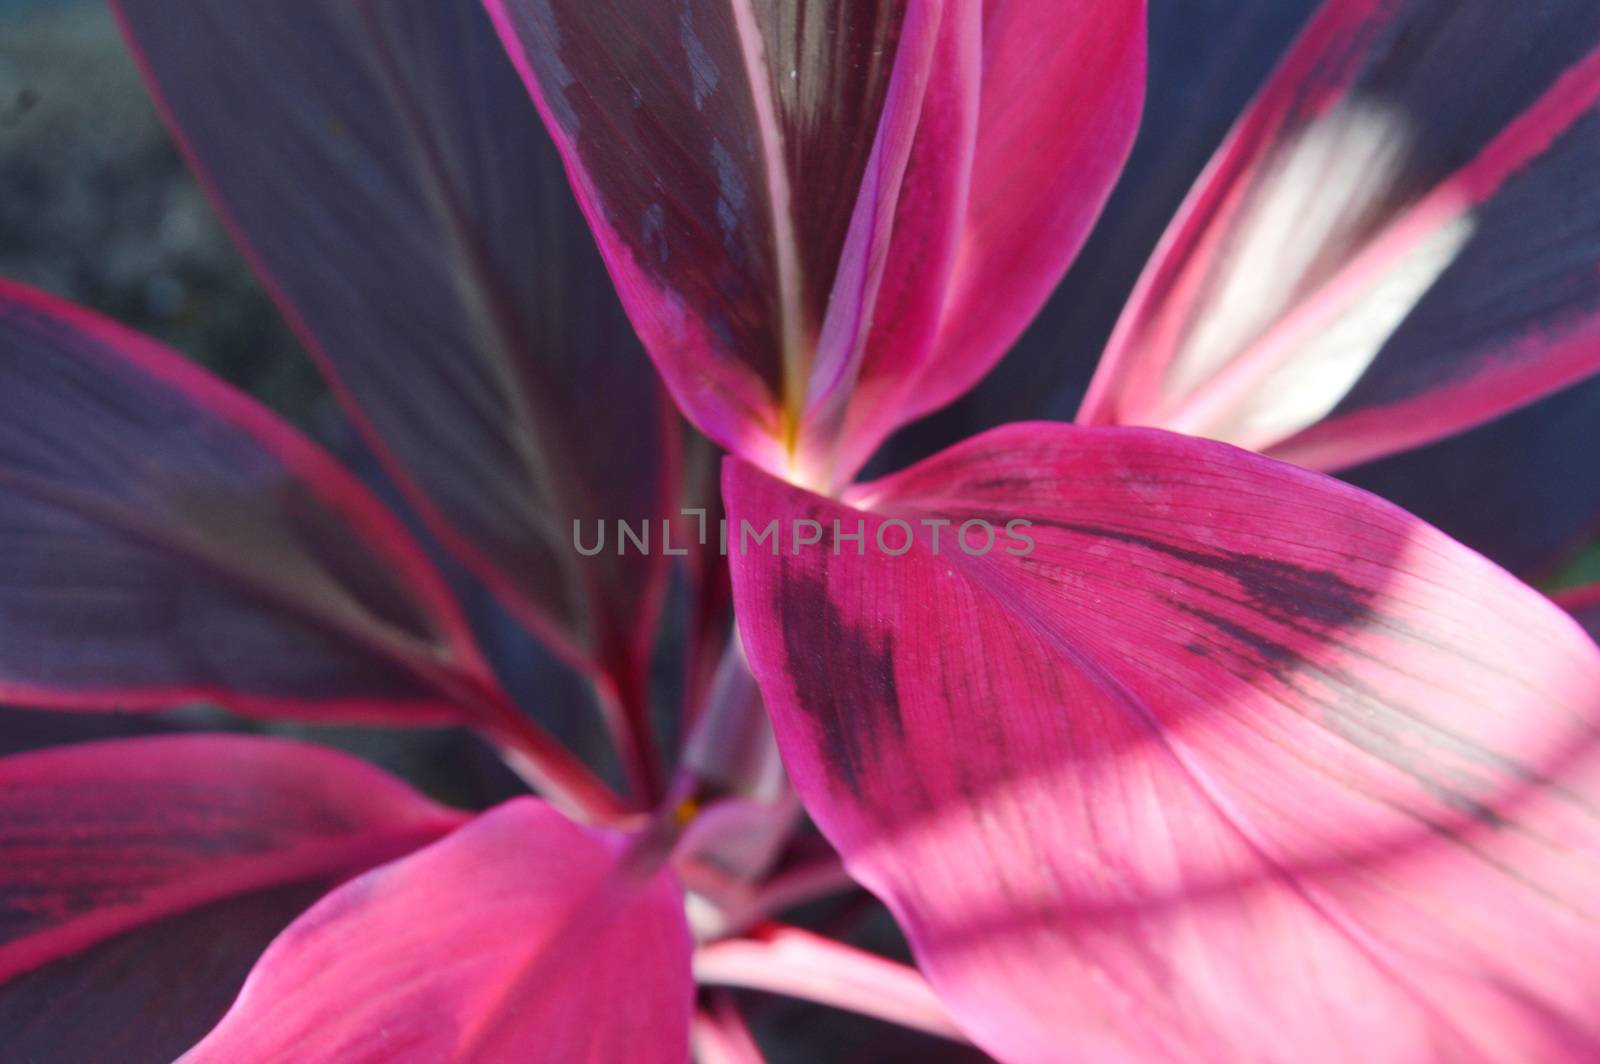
(742, 164)
(383, 168)
(1395, 243)
(106, 837)
(1214, 757)
(1206, 60)
(1062, 87)
(168, 540)
(487, 946)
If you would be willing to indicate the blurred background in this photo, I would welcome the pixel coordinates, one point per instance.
(95, 205)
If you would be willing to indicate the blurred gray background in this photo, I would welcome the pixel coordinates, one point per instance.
(96, 206)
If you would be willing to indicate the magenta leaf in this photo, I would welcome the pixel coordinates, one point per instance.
(1062, 86)
(385, 171)
(168, 540)
(1430, 164)
(791, 960)
(104, 838)
(519, 937)
(792, 207)
(697, 137)
(1211, 756)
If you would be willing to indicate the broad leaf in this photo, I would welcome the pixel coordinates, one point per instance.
(108, 837)
(792, 207)
(166, 540)
(1395, 243)
(382, 166)
(519, 937)
(1216, 756)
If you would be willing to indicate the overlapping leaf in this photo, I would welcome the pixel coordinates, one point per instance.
(1214, 754)
(805, 215)
(519, 937)
(168, 540)
(1060, 99)
(147, 995)
(383, 167)
(134, 865)
(1396, 242)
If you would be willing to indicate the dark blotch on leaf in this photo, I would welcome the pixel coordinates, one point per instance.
(843, 676)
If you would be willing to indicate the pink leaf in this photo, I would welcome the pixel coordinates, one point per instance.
(799, 963)
(168, 540)
(825, 229)
(517, 938)
(1062, 87)
(102, 838)
(897, 264)
(740, 164)
(382, 166)
(1394, 244)
(1213, 757)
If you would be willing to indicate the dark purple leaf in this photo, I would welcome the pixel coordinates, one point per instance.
(1395, 243)
(103, 838)
(385, 170)
(168, 540)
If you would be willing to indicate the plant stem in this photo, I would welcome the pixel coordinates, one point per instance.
(797, 886)
(721, 1035)
(788, 960)
(625, 705)
(534, 754)
(557, 775)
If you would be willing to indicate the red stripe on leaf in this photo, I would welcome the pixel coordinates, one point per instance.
(382, 168)
(170, 540)
(1393, 245)
(105, 837)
